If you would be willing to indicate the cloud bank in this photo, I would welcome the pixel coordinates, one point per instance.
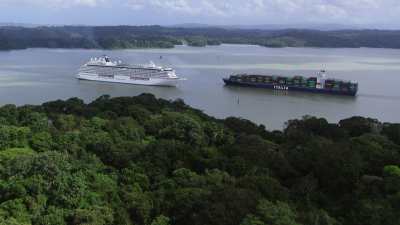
(52, 3)
(235, 11)
(313, 8)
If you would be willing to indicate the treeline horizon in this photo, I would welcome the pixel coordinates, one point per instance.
(129, 37)
(147, 161)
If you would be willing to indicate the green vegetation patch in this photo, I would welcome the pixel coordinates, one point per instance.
(15, 153)
(147, 161)
(132, 37)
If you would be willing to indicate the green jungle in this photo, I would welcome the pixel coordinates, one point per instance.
(147, 161)
(131, 37)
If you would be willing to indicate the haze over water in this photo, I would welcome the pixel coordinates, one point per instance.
(35, 76)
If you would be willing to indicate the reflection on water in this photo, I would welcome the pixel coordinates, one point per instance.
(381, 97)
(104, 87)
(34, 76)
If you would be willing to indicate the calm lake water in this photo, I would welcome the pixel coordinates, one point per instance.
(35, 76)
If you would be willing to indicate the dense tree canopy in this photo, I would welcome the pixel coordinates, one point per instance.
(147, 161)
(123, 37)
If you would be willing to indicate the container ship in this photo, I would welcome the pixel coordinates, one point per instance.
(104, 69)
(317, 84)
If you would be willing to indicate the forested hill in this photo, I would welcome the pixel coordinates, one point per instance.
(122, 37)
(147, 161)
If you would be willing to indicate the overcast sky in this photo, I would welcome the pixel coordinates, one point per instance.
(166, 12)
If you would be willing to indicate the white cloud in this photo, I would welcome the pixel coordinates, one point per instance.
(236, 11)
(335, 8)
(174, 6)
(202, 7)
(53, 3)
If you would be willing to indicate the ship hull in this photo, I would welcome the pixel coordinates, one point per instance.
(170, 82)
(288, 88)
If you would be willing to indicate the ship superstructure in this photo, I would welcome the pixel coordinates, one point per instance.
(104, 69)
(317, 84)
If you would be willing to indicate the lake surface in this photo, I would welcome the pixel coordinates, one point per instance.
(35, 76)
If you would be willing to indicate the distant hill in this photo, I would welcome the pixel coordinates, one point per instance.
(123, 37)
(27, 25)
(321, 27)
(193, 25)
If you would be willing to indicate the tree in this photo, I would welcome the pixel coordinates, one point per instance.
(177, 126)
(161, 220)
(37, 122)
(357, 126)
(92, 216)
(14, 212)
(392, 178)
(278, 213)
(392, 131)
(9, 115)
(66, 122)
(320, 217)
(42, 141)
(53, 216)
(138, 203)
(13, 137)
(376, 151)
(252, 220)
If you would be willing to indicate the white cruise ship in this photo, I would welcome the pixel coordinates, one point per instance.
(103, 69)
